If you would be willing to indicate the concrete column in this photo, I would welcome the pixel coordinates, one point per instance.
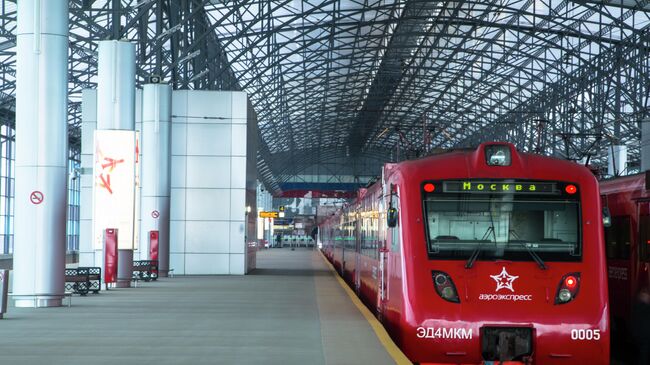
(616, 160)
(41, 195)
(645, 145)
(87, 255)
(138, 195)
(116, 110)
(214, 170)
(116, 85)
(155, 177)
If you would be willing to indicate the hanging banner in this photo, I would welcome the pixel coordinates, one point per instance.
(115, 186)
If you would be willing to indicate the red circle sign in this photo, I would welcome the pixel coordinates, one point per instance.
(36, 197)
(155, 214)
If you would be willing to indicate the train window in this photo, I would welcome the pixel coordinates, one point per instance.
(381, 227)
(394, 231)
(644, 238)
(617, 238)
(394, 247)
(503, 226)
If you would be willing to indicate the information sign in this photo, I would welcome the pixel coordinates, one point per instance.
(269, 214)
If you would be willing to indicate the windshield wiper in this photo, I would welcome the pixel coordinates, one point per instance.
(477, 249)
(474, 256)
(534, 255)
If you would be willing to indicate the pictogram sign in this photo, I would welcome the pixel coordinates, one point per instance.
(36, 197)
(107, 168)
(155, 214)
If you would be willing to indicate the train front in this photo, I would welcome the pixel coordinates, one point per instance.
(513, 268)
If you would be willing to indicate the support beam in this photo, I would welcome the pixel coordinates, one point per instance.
(390, 73)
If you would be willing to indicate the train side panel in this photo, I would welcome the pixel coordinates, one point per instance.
(626, 246)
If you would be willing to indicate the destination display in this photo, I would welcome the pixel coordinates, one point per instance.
(499, 187)
(269, 214)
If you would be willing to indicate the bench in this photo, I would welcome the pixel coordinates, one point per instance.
(94, 277)
(146, 270)
(83, 280)
(76, 282)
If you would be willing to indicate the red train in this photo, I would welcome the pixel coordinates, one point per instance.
(481, 256)
(627, 243)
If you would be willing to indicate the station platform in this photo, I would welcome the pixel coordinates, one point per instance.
(291, 310)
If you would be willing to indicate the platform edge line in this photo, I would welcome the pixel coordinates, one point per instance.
(383, 336)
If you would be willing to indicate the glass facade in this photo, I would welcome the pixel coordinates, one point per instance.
(7, 150)
(7, 183)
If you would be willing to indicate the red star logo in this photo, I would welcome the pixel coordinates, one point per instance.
(504, 280)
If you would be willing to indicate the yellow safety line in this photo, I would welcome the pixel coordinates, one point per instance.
(380, 331)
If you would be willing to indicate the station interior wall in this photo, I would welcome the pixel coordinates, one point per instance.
(213, 182)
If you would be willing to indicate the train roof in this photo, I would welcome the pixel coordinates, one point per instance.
(472, 162)
(635, 184)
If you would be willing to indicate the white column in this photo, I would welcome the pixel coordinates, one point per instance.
(138, 195)
(616, 160)
(116, 85)
(645, 145)
(116, 110)
(41, 195)
(155, 177)
(88, 127)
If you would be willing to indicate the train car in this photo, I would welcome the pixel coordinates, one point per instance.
(480, 256)
(627, 201)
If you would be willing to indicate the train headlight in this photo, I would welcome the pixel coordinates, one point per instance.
(568, 288)
(564, 295)
(498, 155)
(449, 294)
(445, 286)
(441, 279)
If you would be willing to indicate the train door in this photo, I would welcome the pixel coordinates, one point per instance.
(392, 245)
(620, 271)
(383, 258)
(643, 243)
(345, 232)
(357, 248)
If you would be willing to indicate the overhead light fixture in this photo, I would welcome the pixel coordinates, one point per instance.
(169, 31)
(142, 2)
(199, 75)
(189, 56)
(382, 133)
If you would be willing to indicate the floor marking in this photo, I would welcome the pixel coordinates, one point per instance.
(380, 331)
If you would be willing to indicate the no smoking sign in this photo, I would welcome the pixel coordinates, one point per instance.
(36, 197)
(155, 214)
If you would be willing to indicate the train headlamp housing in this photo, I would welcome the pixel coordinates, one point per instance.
(568, 288)
(445, 286)
(498, 155)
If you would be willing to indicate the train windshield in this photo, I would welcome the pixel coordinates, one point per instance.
(509, 220)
